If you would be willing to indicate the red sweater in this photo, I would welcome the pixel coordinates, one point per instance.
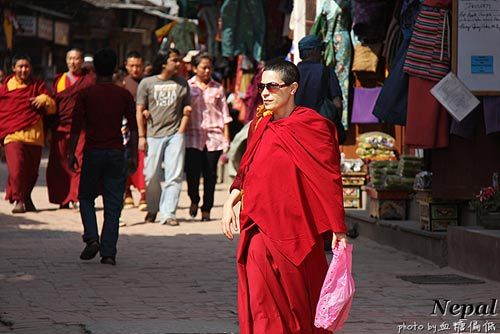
(99, 111)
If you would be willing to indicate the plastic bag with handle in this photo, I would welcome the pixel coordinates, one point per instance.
(337, 292)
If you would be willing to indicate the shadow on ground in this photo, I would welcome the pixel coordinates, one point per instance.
(161, 284)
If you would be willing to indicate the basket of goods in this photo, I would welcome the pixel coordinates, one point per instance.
(377, 146)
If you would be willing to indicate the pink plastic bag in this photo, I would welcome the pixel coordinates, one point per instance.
(337, 292)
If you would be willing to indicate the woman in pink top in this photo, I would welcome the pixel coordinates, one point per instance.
(207, 134)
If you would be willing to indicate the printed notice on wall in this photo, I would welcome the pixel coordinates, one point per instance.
(482, 64)
(477, 48)
(454, 96)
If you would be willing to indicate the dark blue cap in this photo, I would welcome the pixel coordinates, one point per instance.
(310, 42)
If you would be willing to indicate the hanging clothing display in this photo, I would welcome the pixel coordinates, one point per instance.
(491, 105)
(370, 19)
(275, 46)
(366, 57)
(243, 28)
(467, 127)
(338, 53)
(210, 15)
(427, 121)
(394, 36)
(428, 55)
(392, 103)
(362, 106)
(183, 36)
(252, 98)
(393, 99)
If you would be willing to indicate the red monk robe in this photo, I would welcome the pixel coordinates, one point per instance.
(291, 198)
(137, 178)
(21, 131)
(62, 183)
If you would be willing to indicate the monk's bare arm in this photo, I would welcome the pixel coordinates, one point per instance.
(234, 198)
(229, 222)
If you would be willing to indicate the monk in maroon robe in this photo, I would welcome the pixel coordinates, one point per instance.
(62, 182)
(24, 101)
(290, 188)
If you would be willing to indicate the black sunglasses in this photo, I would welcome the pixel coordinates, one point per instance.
(271, 86)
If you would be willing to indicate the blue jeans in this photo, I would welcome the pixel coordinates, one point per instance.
(103, 172)
(170, 152)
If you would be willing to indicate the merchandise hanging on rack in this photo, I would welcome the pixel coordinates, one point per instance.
(333, 24)
(183, 35)
(210, 16)
(243, 28)
(491, 105)
(370, 20)
(427, 121)
(362, 107)
(392, 103)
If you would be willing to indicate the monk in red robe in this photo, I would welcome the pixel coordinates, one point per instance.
(62, 182)
(24, 101)
(290, 188)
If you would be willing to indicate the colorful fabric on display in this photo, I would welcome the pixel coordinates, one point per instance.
(427, 122)
(336, 35)
(366, 57)
(252, 98)
(409, 12)
(183, 36)
(243, 28)
(284, 187)
(210, 16)
(392, 102)
(363, 104)
(165, 30)
(394, 36)
(428, 55)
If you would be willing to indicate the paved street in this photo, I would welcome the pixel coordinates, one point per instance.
(181, 279)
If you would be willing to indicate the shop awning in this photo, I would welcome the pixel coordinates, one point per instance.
(45, 10)
(160, 8)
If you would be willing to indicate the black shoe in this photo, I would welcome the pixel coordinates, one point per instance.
(205, 216)
(150, 218)
(28, 204)
(90, 251)
(193, 210)
(64, 206)
(108, 260)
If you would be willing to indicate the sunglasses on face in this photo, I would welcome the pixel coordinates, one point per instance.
(271, 86)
